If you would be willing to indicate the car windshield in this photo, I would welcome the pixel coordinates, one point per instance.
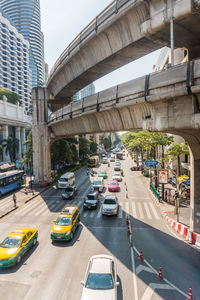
(96, 182)
(99, 281)
(69, 189)
(109, 201)
(91, 197)
(113, 183)
(102, 173)
(63, 179)
(11, 242)
(63, 221)
(116, 175)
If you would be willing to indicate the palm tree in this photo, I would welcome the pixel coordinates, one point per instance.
(11, 146)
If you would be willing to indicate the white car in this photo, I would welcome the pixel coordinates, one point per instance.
(105, 160)
(100, 281)
(117, 177)
(110, 206)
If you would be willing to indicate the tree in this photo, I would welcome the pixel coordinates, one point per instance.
(175, 152)
(61, 152)
(93, 147)
(11, 146)
(11, 96)
(84, 148)
(28, 154)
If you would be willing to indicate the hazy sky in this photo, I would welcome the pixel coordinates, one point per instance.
(62, 20)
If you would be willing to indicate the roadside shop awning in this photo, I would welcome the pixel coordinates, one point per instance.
(183, 178)
(186, 182)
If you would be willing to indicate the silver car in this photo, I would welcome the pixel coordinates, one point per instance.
(100, 279)
(110, 206)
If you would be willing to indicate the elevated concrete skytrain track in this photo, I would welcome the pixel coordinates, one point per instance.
(125, 31)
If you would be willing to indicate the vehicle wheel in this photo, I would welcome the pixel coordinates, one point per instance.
(34, 241)
(71, 236)
(18, 186)
(19, 259)
(0, 194)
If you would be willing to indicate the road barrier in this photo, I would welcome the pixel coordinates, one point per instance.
(155, 192)
(159, 276)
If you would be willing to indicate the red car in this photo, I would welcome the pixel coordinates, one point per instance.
(113, 186)
(103, 155)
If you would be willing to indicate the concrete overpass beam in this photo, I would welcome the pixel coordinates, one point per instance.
(41, 135)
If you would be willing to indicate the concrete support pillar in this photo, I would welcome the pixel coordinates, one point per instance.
(5, 136)
(195, 194)
(23, 139)
(41, 135)
(18, 136)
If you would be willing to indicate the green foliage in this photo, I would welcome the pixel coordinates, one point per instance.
(11, 97)
(107, 143)
(11, 146)
(84, 148)
(177, 149)
(93, 147)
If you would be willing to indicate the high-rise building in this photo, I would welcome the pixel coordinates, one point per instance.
(15, 73)
(25, 15)
(86, 91)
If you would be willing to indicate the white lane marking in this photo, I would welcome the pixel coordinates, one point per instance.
(147, 210)
(141, 268)
(120, 212)
(140, 210)
(99, 213)
(134, 210)
(164, 279)
(127, 208)
(36, 210)
(92, 213)
(154, 210)
(85, 214)
(152, 286)
(27, 207)
(134, 274)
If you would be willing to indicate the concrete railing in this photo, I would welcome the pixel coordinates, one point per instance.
(92, 27)
(175, 82)
(13, 112)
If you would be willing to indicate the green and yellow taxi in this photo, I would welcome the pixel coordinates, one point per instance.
(102, 174)
(15, 245)
(66, 224)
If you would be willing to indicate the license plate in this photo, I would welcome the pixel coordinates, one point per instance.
(59, 237)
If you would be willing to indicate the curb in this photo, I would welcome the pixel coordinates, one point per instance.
(184, 231)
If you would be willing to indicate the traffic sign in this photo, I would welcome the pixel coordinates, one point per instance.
(151, 162)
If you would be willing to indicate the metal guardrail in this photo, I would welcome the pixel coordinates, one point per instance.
(110, 10)
(155, 192)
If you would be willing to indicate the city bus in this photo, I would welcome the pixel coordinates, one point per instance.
(93, 161)
(10, 181)
(119, 155)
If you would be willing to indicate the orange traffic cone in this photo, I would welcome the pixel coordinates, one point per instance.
(127, 220)
(159, 276)
(141, 256)
(129, 230)
(190, 294)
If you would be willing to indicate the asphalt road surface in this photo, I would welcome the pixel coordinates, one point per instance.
(54, 270)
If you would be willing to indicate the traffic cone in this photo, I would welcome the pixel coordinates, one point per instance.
(141, 256)
(127, 220)
(190, 294)
(129, 230)
(159, 276)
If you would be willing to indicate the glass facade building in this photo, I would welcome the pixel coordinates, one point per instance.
(25, 15)
(86, 91)
(15, 73)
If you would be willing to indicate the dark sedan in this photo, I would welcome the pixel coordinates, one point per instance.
(70, 192)
(91, 200)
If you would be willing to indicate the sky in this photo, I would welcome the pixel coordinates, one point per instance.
(62, 21)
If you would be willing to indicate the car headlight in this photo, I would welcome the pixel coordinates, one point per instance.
(67, 232)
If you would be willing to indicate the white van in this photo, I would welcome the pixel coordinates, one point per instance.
(98, 184)
(66, 180)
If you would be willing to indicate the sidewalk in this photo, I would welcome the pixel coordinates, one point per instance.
(24, 195)
(182, 225)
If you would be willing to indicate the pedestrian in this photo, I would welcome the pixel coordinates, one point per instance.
(122, 172)
(14, 200)
(108, 164)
